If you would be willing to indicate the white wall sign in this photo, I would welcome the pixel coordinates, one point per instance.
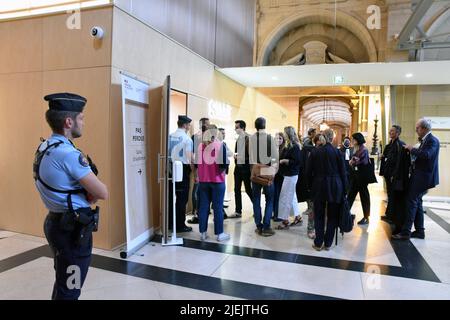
(440, 122)
(219, 110)
(135, 99)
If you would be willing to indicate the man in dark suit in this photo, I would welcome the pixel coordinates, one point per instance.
(242, 169)
(425, 176)
(390, 162)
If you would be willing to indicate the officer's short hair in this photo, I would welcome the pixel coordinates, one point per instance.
(203, 121)
(260, 123)
(56, 119)
(398, 128)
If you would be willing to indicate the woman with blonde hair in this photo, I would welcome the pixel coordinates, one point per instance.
(290, 168)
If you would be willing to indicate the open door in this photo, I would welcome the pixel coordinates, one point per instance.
(163, 159)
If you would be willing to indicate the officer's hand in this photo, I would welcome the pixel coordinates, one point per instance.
(91, 199)
(92, 165)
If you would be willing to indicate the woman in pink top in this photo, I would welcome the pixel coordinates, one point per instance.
(211, 163)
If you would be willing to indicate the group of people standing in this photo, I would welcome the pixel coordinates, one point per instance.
(289, 170)
(409, 171)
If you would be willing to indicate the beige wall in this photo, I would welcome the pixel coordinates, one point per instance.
(151, 56)
(41, 56)
(434, 101)
(414, 102)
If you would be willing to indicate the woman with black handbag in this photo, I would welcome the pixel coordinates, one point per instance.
(362, 173)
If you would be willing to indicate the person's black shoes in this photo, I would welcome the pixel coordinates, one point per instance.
(400, 236)
(182, 229)
(193, 220)
(236, 215)
(363, 221)
(418, 235)
(185, 229)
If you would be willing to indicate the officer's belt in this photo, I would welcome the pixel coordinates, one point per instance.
(57, 215)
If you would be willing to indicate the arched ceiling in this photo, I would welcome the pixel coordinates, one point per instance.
(347, 45)
(320, 20)
(328, 110)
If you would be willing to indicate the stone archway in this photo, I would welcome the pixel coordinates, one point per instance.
(325, 17)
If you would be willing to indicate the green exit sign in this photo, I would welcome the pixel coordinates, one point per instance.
(338, 79)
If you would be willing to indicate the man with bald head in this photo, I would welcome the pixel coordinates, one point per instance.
(424, 176)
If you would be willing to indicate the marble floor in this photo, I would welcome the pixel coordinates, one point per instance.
(365, 264)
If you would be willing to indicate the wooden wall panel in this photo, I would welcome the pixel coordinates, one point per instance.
(41, 56)
(221, 31)
(64, 48)
(94, 85)
(21, 125)
(155, 147)
(235, 33)
(17, 55)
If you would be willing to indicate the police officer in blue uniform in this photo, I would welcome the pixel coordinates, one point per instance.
(67, 182)
(180, 149)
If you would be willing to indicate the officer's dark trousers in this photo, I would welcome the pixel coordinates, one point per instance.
(361, 188)
(71, 262)
(182, 194)
(332, 213)
(241, 175)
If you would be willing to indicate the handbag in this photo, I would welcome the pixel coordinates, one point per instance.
(367, 172)
(262, 174)
(346, 219)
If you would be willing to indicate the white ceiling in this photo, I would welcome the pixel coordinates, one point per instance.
(393, 73)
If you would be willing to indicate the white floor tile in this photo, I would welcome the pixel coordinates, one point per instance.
(171, 292)
(290, 276)
(31, 281)
(12, 246)
(6, 234)
(177, 258)
(380, 287)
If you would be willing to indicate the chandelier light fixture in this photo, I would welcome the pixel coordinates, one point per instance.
(324, 125)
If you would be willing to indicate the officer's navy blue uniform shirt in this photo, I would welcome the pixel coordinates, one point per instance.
(61, 170)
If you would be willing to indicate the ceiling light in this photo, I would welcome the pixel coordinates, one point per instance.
(275, 78)
(409, 75)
